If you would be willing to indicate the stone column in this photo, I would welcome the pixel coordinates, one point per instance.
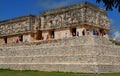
(80, 31)
(42, 22)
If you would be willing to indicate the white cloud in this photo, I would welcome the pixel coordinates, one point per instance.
(117, 35)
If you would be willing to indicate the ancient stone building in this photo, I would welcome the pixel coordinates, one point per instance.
(80, 19)
(20, 29)
(76, 20)
(69, 39)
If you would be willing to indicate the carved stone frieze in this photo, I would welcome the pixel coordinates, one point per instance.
(84, 14)
(17, 25)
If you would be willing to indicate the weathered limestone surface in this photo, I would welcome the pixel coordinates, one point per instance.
(17, 25)
(84, 13)
(58, 49)
(78, 54)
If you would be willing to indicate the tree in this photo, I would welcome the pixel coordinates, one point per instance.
(110, 4)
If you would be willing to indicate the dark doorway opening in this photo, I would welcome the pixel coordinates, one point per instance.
(73, 30)
(52, 34)
(102, 32)
(5, 39)
(39, 35)
(21, 38)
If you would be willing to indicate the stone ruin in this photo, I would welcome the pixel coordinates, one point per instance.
(68, 39)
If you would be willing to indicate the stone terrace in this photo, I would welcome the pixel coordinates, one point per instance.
(71, 41)
(78, 54)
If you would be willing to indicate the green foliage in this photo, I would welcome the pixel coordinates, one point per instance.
(110, 4)
(8, 72)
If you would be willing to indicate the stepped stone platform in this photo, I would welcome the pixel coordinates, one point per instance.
(90, 54)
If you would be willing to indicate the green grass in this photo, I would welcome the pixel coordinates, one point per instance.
(39, 73)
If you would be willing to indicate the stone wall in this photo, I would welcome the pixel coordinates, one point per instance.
(18, 25)
(75, 54)
(2, 41)
(12, 39)
(70, 41)
(84, 13)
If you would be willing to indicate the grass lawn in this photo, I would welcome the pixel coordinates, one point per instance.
(39, 73)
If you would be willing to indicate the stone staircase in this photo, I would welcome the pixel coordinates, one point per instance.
(69, 55)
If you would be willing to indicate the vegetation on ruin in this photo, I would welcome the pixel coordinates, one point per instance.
(39, 73)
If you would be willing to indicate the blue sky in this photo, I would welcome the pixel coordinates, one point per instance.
(14, 8)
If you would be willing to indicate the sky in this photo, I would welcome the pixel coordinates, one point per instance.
(15, 8)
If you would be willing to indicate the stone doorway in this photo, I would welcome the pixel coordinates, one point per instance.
(52, 34)
(21, 38)
(5, 39)
(73, 31)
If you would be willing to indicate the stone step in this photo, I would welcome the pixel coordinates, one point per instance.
(61, 59)
(49, 59)
(72, 41)
(108, 59)
(27, 51)
(65, 67)
(71, 50)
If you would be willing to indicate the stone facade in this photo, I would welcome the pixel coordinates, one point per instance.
(69, 39)
(17, 25)
(84, 13)
(68, 20)
(91, 54)
(56, 24)
(18, 28)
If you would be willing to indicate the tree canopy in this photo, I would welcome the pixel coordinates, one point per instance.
(110, 4)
